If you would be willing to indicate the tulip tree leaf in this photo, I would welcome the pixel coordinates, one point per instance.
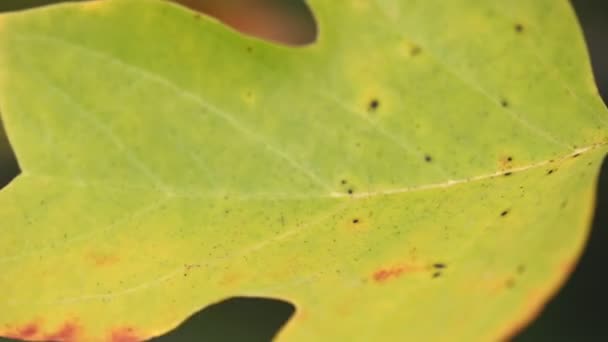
(425, 170)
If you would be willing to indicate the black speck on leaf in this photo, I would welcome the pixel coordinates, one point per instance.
(373, 105)
(428, 158)
(519, 28)
(504, 213)
(504, 103)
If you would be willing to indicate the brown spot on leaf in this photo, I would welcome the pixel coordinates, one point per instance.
(505, 162)
(125, 334)
(26, 332)
(67, 332)
(415, 50)
(386, 274)
(389, 273)
(373, 105)
(101, 259)
(229, 279)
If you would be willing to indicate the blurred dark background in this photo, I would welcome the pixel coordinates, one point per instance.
(577, 313)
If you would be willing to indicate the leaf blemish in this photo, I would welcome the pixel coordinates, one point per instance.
(355, 221)
(101, 259)
(385, 274)
(27, 331)
(504, 213)
(415, 50)
(373, 105)
(124, 335)
(519, 28)
(428, 158)
(550, 171)
(504, 103)
(350, 191)
(67, 332)
(439, 265)
(507, 174)
(436, 274)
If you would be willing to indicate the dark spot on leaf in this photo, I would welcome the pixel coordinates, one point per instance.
(350, 191)
(521, 269)
(509, 159)
(355, 221)
(519, 28)
(428, 158)
(373, 105)
(550, 171)
(576, 155)
(504, 103)
(343, 182)
(415, 50)
(249, 49)
(436, 274)
(507, 174)
(439, 265)
(504, 213)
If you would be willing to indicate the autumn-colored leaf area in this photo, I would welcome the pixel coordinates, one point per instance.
(421, 164)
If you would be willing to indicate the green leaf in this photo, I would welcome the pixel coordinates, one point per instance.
(424, 171)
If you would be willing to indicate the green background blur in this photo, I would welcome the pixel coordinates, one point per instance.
(578, 313)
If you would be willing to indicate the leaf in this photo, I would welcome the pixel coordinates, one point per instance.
(424, 171)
